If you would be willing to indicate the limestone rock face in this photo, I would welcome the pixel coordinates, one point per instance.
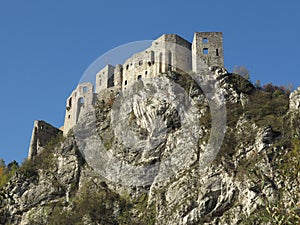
(29, 191)
(295, 100)
(149, 146)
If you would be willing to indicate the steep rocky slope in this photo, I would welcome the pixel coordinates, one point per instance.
(143, 159)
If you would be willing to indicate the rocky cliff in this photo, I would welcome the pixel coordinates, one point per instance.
(147, 158)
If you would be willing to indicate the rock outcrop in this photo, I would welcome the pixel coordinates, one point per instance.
(144, 159)
(295, 100)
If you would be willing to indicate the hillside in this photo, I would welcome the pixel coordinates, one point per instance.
(152, 164)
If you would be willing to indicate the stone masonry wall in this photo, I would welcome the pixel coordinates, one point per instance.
(42, 133)
(169, 52)
(207, 50)
(80, 98)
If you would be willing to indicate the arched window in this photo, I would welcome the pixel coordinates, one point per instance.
(81, 101)
(85, 89)
(205, 51)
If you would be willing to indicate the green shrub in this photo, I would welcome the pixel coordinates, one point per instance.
(7, 172)
(45, 160)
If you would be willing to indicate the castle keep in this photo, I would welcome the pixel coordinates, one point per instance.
(169, 52)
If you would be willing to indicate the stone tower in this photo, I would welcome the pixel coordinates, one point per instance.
(118, 77)
(42, 133)
(104, 78)
(207, 49)
(79, 101)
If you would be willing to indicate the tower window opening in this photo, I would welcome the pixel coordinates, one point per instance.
(127, 67)
(204, 40)
(70, 102)
(139, 77)
(205, 51)
(81, 101)
(125, 83)
(152, 56)
(85, 89)
(140, 62)
(146, 72)
(169, 61)
(160, 63)
(217, 52)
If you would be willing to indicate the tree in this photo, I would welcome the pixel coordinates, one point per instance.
(241, 70)
(13, 165)
(2, 163)
(289, 88)
(257, 84)
(6, 172)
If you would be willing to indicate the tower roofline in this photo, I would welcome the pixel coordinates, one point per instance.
(174, 38)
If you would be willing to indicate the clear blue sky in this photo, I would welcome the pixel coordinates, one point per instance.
(45, 47)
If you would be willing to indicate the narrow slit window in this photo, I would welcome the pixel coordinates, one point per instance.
(217, 52)
(70, 102)
(152, 57)
(125, 83)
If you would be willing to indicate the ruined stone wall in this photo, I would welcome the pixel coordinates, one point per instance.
(103, 77)
(181, 58)
(118, 76)
(137, 67)
(174, 38)
(169, 52)
(42, 133)
(80, 98)
(207, 49)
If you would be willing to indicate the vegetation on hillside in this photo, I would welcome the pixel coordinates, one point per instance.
(6, 172)
(267, 106)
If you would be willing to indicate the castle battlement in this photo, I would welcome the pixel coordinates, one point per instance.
(169, 52)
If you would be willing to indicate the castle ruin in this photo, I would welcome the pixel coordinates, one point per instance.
(169, 52)
(42, 133)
